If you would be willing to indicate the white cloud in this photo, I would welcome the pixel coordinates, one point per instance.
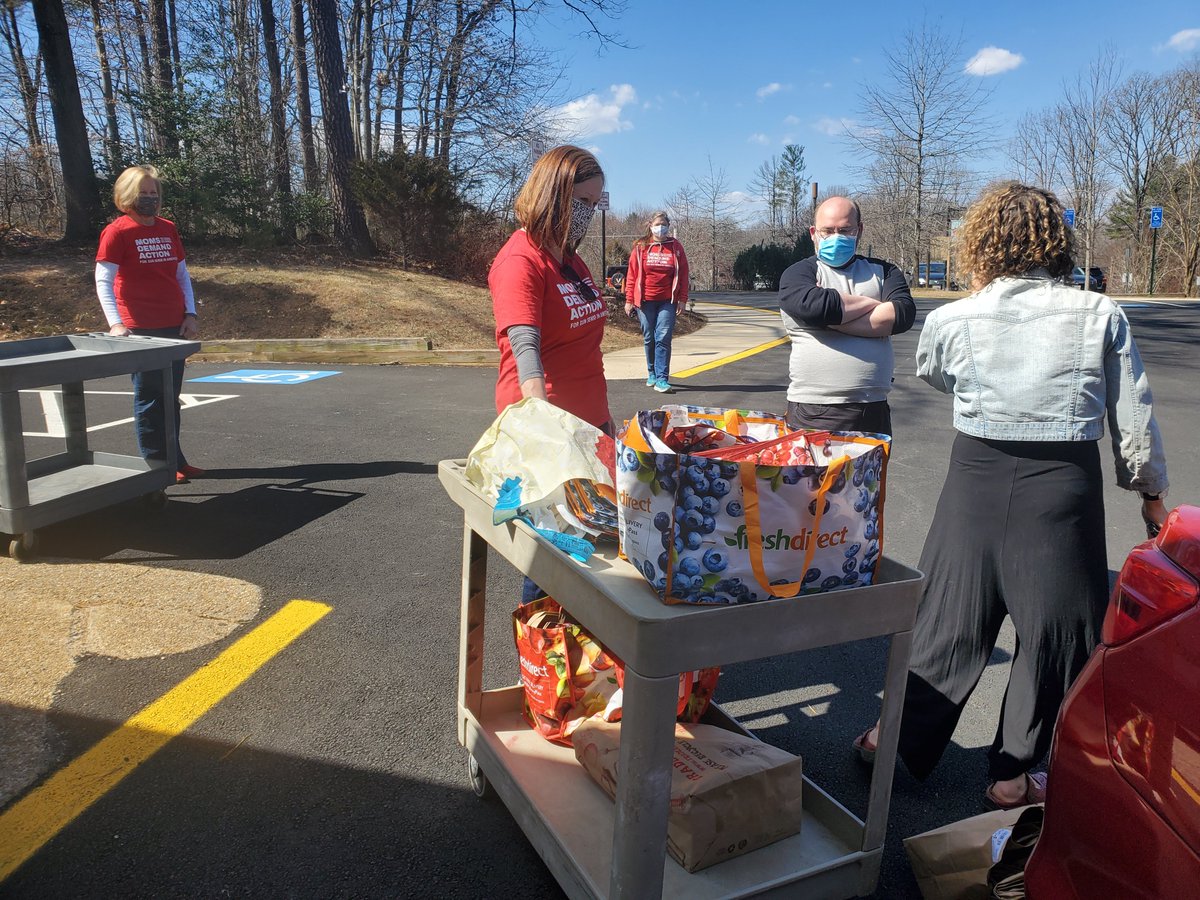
(1185, 41)
(827, 84)
(758, 138)
(993, 61)
(773, 88)
(592, 115)
(834, 127)
(792, 121)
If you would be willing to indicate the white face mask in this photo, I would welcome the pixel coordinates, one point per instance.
(659, 231)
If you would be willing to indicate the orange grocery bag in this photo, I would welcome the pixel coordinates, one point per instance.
(567, 675)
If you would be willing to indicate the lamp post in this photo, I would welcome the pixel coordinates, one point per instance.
(950, 211)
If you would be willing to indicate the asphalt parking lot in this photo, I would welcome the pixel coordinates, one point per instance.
(333, 768)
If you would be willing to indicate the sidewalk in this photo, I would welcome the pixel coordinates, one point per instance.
(731, 330)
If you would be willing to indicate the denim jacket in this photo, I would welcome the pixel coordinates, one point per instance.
(1030, 359)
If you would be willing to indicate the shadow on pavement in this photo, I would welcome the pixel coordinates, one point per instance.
(311, 473)
(204, 818)
(195, 526)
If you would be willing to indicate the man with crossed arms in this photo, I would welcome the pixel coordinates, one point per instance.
(840, 310)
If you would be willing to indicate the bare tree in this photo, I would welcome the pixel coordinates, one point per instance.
(28, 89)
(112, 128)
(349, 223)
(925, 120)
(163, 104)
(1180, 180)
(70, 129)
(1035, 150)
(767, 187)
(711, 191)
(308, 152)
(281, 165)
(1083, 145)
(1137, 129)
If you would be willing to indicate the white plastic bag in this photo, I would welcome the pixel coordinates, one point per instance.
(544, 447)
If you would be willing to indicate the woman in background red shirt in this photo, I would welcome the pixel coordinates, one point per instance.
(549, 315)
(144, 289)
(656, 286)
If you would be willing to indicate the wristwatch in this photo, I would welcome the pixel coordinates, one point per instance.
(1150, 498)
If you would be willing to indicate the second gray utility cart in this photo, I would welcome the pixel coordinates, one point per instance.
(40, 492)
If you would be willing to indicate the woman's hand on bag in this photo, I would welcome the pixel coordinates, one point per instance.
(534, 387)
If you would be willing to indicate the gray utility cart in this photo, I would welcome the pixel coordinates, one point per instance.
(40, 492)
(835, 855)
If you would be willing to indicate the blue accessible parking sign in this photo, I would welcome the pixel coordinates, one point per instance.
(1156, 217)
(266, 376)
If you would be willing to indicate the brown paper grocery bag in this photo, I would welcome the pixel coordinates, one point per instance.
(730, 793)
(952, 862)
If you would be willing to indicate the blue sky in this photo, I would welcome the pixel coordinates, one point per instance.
(738, 80)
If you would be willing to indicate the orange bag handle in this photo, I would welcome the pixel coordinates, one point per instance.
(754, 528)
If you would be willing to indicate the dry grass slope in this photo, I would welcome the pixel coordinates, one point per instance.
(295, 293)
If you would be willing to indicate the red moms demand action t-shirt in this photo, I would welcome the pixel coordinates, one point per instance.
(530, 288)
(660, 270)
(147, 256)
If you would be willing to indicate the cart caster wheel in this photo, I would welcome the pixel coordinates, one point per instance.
(479, 782)
(156, 500)
(22, 546)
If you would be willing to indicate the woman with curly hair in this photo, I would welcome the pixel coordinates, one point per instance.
(1036, 367)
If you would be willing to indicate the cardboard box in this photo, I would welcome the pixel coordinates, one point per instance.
(730, 794)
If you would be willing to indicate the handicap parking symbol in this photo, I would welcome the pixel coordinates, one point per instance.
(266, 376)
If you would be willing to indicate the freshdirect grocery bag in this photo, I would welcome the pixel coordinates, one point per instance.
(736, 524)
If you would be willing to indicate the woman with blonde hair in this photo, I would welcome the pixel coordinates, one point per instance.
(144, 288)
(1036, 368)
(656, 286)
(549, 315)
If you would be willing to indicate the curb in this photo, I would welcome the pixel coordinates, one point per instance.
(346, 351)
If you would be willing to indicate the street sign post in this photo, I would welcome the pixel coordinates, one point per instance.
(602, 205)
(1155, 224)
(1069, 217)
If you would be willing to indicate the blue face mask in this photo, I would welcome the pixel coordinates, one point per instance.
(836, 249)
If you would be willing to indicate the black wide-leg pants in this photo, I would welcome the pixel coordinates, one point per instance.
(1019, 531)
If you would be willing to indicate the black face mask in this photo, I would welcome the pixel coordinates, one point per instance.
(146, 206)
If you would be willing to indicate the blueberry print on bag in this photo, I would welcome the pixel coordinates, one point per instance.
(714, 516)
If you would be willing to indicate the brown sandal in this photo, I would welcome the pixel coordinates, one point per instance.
(1035, 792)
(864, 748)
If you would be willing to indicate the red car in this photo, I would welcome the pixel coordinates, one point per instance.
(1123, 797)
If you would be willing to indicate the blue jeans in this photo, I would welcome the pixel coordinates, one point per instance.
(149, 411)
(658, 324)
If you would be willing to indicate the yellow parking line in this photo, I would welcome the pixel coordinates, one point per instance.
(725, 360)
(42, 813)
